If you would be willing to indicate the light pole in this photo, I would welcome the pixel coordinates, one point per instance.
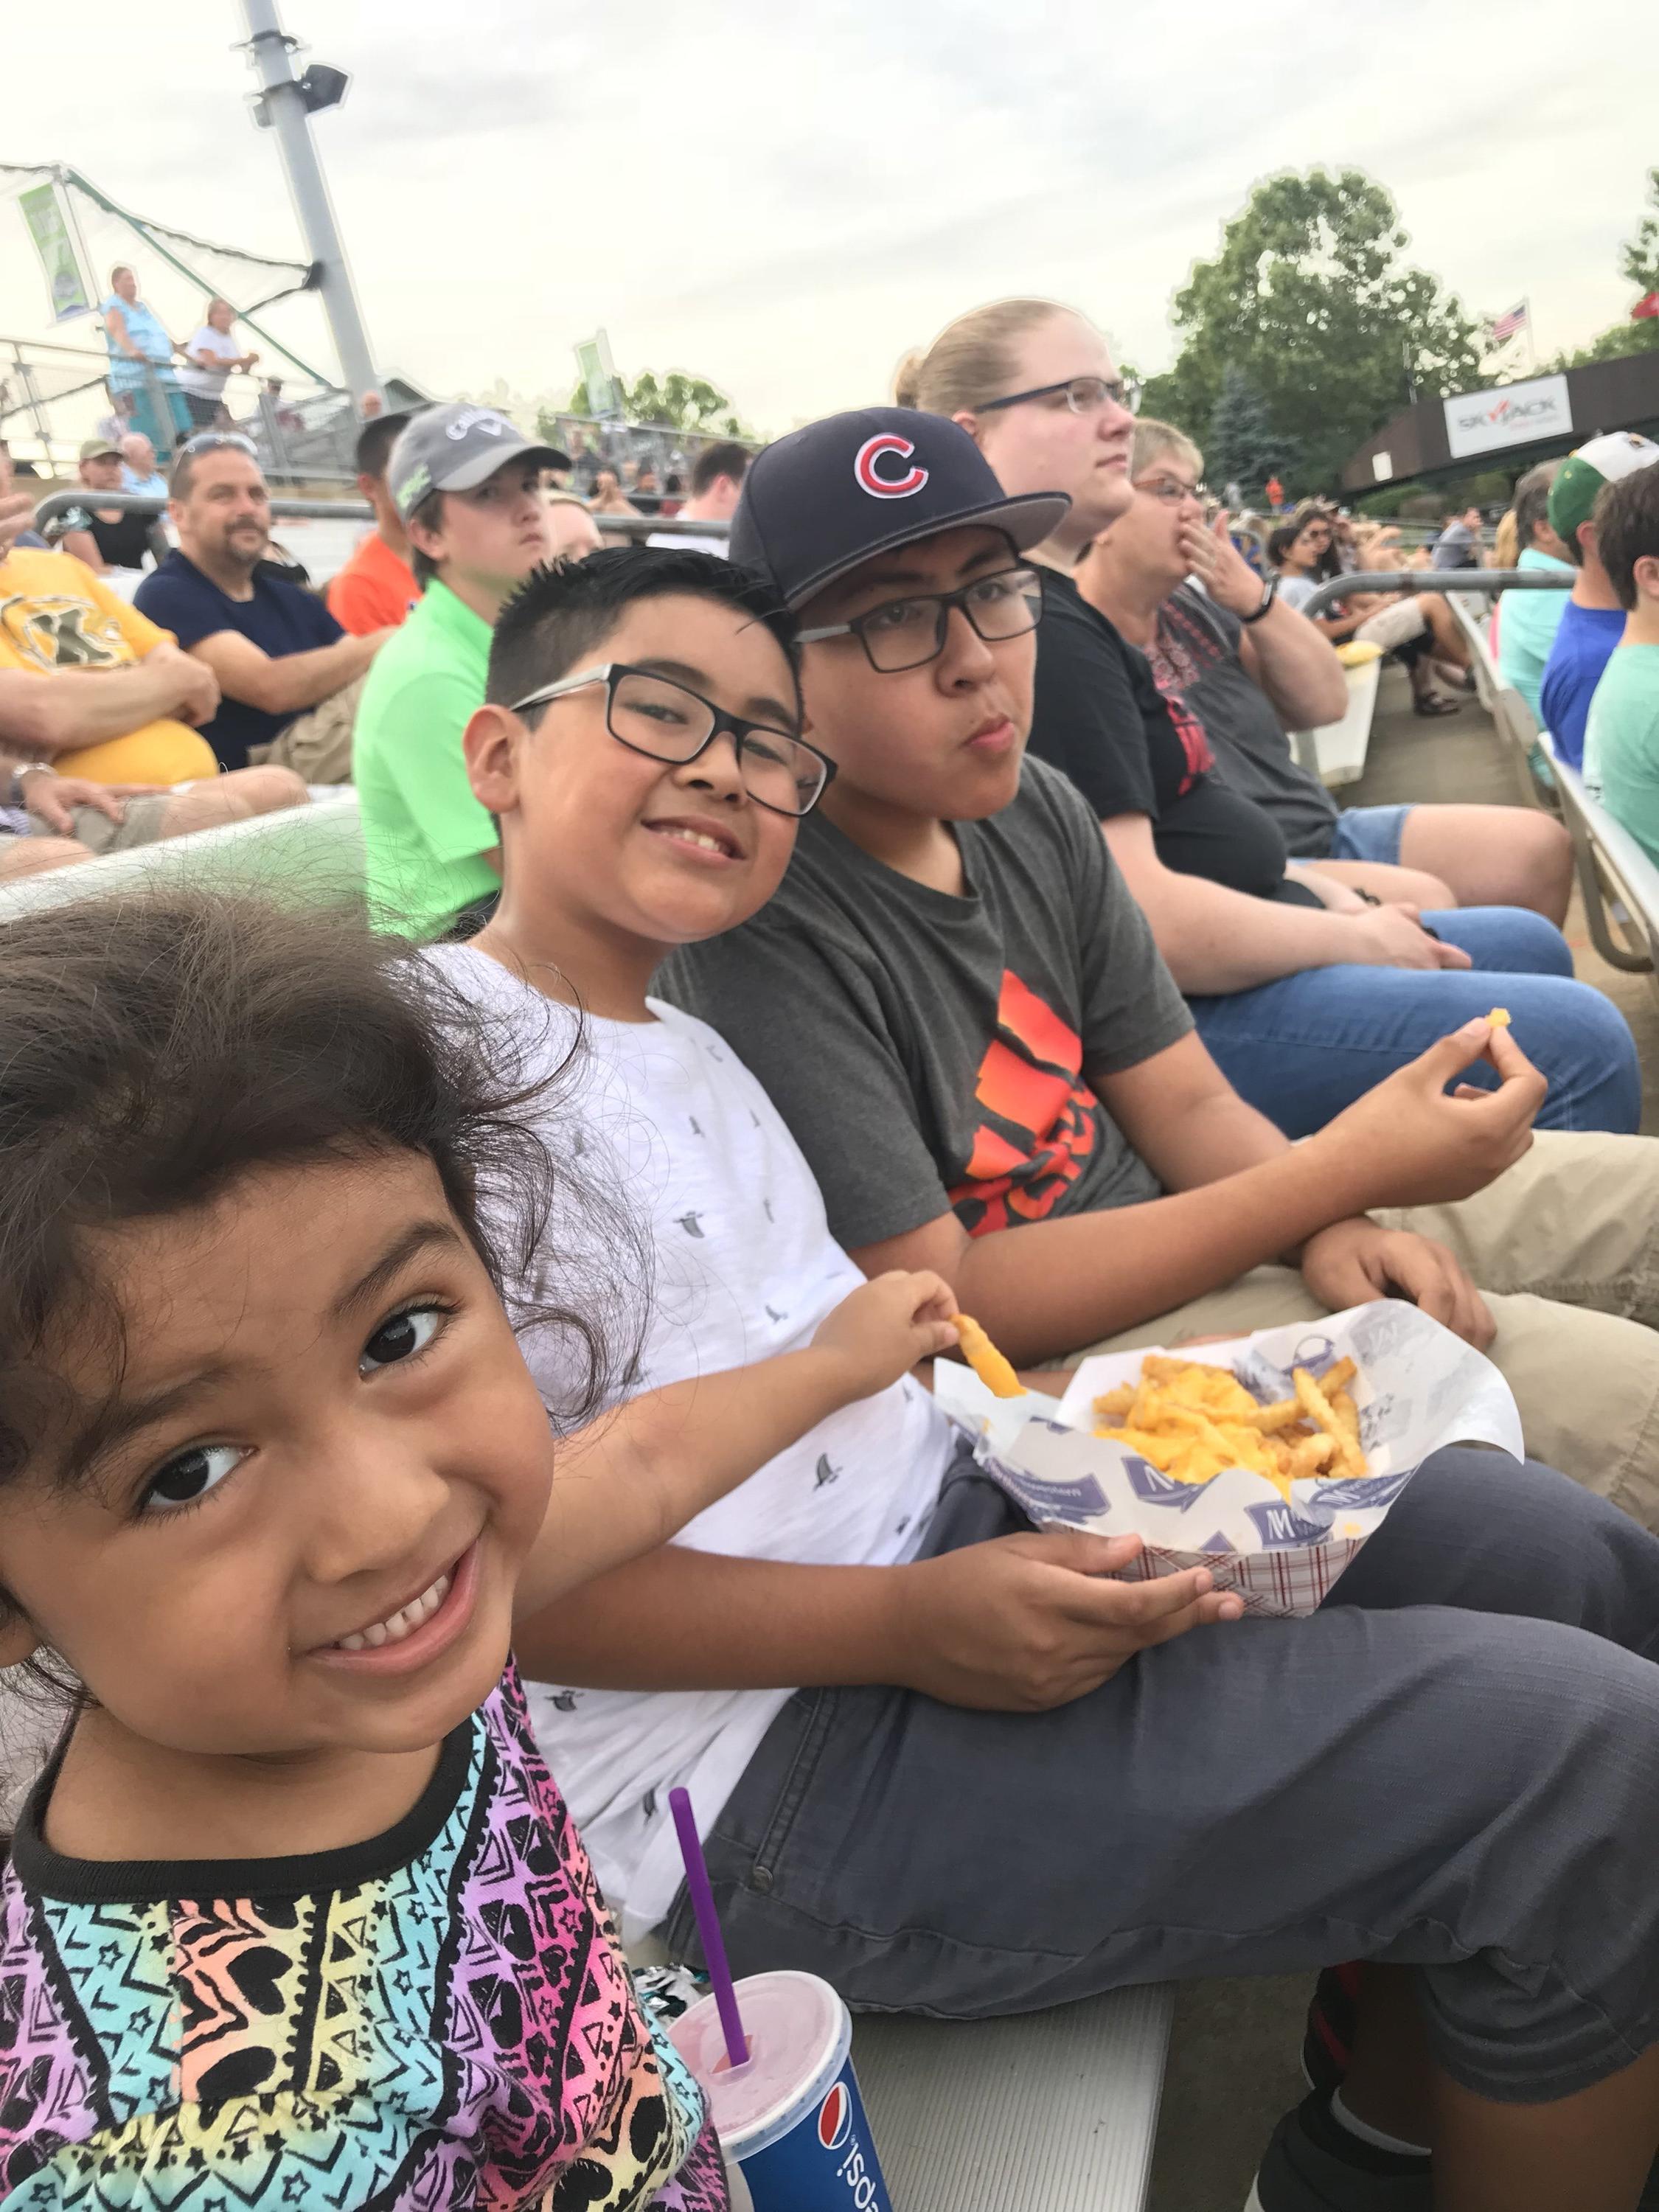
(285, 104)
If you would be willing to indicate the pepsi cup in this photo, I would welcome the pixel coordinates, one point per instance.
(790, 2120)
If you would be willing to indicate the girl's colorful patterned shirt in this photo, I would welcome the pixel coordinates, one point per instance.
(434, 2018)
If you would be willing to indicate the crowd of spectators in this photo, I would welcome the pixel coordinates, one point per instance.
(932, 886)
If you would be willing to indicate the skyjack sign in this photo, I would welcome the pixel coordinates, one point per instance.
(1514, 415)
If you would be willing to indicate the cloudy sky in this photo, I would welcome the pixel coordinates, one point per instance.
(785, 198)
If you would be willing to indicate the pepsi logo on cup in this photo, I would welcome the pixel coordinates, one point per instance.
(890, 479)
(835, 2116)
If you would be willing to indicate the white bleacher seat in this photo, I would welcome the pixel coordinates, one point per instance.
(311, 855)
(1336, 753)
(1619, 882)
(1052, 2111)
(1477, 634)
(1512, 718)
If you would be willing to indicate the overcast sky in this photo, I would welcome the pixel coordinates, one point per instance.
(784, 198)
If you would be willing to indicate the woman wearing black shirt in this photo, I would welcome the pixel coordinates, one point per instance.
(1248, 681)
(1303, 1007)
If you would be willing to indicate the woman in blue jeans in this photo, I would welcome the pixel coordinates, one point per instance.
(1304, 1005)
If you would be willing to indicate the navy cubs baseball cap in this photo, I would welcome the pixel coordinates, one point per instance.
(824, 499)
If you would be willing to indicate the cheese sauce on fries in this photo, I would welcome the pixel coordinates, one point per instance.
(1192, 1421)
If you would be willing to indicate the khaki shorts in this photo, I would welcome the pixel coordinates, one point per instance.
(316, 745)
(143, 824)
(1566, 1247)
(1392, 626)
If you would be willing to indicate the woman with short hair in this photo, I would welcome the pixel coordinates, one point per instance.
(1248, 683)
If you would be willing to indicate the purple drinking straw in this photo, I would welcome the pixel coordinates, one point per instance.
(708, 1928)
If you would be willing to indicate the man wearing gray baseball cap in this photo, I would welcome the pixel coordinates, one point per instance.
(467, 487)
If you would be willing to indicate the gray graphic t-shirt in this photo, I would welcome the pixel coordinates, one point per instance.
(930, 1051)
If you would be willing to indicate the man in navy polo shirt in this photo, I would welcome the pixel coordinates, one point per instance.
(287, 671)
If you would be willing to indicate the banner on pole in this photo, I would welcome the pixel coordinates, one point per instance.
(50, 224)
(598, 376)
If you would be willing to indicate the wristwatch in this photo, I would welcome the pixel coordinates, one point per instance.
(1269, 593)
(20, 769)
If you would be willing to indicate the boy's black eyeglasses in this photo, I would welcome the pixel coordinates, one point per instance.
(1085, 395)
(662, 720)
(908, 633)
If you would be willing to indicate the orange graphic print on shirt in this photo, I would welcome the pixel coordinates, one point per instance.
(1039, 1121)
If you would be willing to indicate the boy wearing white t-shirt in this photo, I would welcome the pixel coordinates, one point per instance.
(621, 809)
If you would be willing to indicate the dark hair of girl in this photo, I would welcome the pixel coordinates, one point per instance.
(157, 1047)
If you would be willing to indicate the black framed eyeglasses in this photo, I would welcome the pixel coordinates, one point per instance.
(1085, 395)
(653, 715)
(910, 632)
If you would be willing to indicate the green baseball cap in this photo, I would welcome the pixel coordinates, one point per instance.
(1583, 475)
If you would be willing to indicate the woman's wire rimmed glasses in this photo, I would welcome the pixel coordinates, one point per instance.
(910, 632)
(1085, 395)
(665, 722)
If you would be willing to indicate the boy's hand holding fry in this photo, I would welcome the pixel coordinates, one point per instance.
(1411, 1142)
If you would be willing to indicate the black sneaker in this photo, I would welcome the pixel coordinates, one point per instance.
(1314, 2165)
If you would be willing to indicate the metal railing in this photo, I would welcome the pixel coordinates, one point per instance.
(1438, 579)
(645, 526)
(358, 510)
(132, 502)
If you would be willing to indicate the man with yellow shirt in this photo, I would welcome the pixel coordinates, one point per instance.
(89, 683)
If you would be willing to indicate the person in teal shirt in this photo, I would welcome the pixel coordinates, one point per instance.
(142, 382)
(1621, 737)
(1527, 621)
(467, 487)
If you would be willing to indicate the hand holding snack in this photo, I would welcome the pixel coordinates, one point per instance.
(887, 1325)
(993, 1370)
(1408, 1143)
(1023, 1624)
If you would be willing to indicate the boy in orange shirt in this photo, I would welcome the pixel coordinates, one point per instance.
(376, 587)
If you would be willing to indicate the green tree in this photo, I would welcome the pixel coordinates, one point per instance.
(683, 403)
(1638, 264)
(1242, 447)
(1311, 299)
(676, 401)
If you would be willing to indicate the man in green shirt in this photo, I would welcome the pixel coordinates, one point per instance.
(467, 486)
(1622, 736)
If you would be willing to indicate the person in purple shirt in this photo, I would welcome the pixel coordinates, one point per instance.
(1593, 621)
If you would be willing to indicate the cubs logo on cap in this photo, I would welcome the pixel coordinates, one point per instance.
(874, 467)
(835, 2116)
(824, 500)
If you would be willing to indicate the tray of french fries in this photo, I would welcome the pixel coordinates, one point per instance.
(1270, 1459)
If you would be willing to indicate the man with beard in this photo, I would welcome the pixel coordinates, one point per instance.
(287, 671)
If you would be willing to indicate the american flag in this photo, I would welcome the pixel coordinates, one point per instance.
(1505, 326)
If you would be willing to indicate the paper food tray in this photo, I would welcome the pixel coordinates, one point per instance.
(1418, 1388)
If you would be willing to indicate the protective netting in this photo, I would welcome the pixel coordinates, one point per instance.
(53, 370)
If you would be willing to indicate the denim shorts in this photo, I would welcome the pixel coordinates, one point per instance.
(1368, 833)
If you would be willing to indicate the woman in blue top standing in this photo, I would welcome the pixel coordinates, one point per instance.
(142, 382)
